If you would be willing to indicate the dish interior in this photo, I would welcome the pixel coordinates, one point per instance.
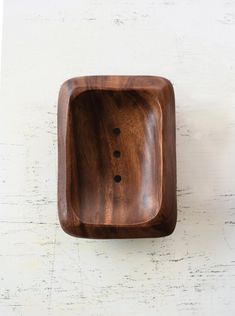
(114, 160)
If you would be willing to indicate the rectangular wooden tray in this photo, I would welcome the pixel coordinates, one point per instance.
(117, 157)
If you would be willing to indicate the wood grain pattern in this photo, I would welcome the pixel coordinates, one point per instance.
(117, 173)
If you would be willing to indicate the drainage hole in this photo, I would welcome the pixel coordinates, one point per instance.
(116, 153)
(116, 131)
(117, 178)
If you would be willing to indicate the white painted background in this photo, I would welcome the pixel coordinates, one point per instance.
(43, 271)
(1, 23)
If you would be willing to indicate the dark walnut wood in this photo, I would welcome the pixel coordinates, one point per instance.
(117, 157)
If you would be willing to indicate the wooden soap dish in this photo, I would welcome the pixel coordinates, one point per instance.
(117, 157)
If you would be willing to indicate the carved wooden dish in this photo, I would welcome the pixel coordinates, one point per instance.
(117, 161)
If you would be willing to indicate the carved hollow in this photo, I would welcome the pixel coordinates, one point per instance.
(117, 157)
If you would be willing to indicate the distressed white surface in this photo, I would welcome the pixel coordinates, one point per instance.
(43, 271)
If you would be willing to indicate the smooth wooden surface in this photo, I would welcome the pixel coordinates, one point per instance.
(45, 272)
(107, 189)
(125, 195)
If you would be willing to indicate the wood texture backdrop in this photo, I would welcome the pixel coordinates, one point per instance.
(43, 271)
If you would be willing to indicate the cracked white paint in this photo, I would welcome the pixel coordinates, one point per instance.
(43, 271)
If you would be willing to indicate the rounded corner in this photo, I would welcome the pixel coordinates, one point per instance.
(168, 82)
(169, 223)
(68, 228)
